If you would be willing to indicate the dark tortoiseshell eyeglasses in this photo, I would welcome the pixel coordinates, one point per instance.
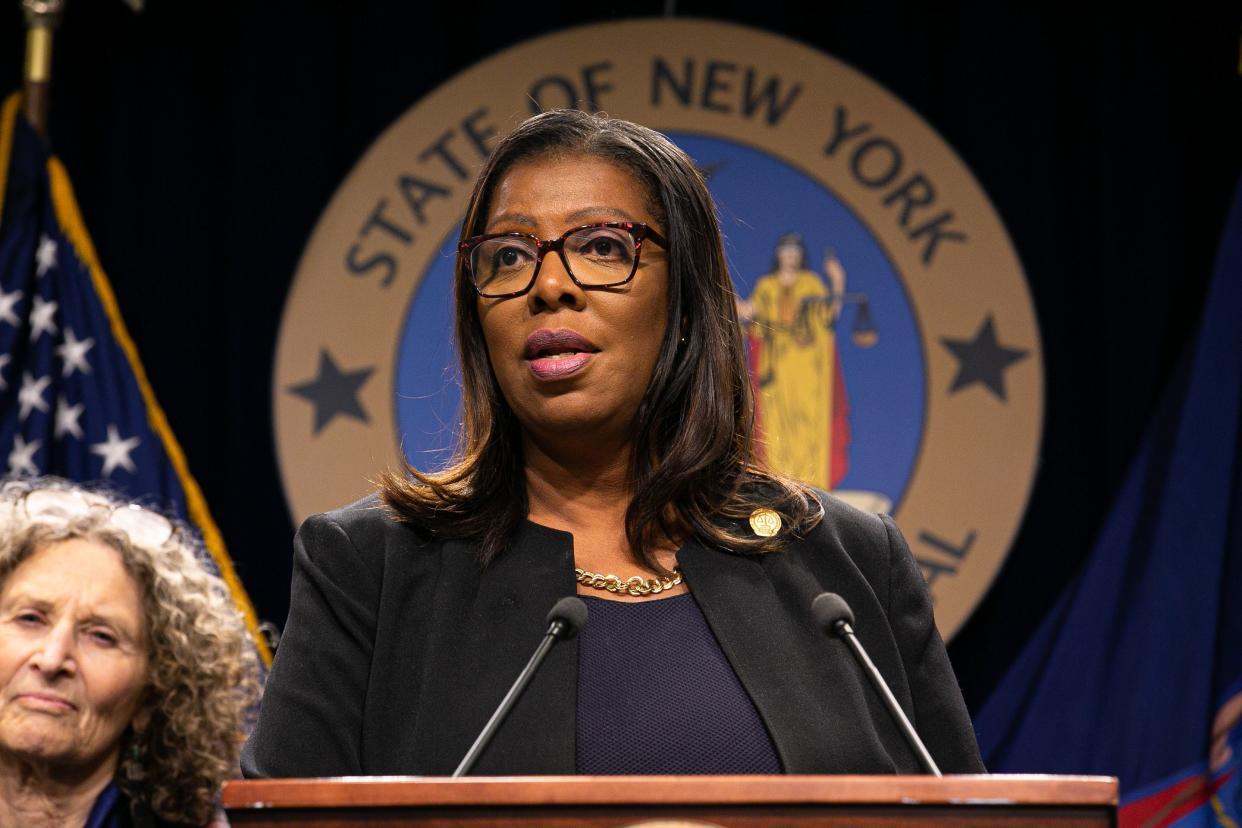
(601, 255)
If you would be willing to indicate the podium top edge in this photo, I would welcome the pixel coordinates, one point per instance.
(433, 791)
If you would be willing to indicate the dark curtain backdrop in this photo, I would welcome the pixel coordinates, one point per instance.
(204, 139)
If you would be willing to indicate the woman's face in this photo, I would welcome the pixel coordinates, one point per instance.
(789, 256)
(73, 663)
(568, 359)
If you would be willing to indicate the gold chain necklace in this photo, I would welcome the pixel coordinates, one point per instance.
(637, 585)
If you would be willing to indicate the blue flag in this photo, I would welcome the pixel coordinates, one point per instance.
(74, 400)
(1137, 672)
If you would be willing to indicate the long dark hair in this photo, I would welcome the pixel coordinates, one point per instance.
(694, 470)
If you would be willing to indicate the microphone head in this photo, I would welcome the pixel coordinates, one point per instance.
(571, 611)
(828, 608)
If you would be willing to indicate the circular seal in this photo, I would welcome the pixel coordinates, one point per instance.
(890, 332)
(765, 522)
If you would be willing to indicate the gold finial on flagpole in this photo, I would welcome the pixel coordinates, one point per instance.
(42, 17)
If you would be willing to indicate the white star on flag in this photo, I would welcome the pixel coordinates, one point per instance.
(67, 418)
(8, 301)
(115, 452)
(4, 360)
(31, 394)
(21, 458)
(46, 255)
(41, 317)
(73, 352)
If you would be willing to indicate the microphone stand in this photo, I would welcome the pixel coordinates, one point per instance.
(558, 628)
(845, 631)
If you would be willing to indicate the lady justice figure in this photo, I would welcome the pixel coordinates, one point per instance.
(801, 406)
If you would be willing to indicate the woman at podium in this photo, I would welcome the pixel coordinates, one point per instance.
(606, 449)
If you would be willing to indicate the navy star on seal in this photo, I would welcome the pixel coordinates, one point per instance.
(982, 360)
(334, 392)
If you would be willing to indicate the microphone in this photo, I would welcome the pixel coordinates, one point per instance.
(564, 620)
(834, 616)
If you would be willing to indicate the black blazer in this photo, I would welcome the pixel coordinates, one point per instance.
(398, 648)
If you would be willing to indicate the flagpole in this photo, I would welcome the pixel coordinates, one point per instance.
(42, 18)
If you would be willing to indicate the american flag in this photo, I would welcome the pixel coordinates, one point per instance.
(74, 400)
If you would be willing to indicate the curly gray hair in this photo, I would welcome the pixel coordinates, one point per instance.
(203, 669)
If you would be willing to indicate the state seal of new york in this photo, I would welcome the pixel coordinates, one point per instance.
(892, 343)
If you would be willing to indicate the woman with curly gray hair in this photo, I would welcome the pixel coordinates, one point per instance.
(125, 672)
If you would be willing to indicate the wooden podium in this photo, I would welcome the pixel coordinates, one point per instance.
(675, 801)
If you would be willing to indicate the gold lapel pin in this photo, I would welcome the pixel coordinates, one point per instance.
(765, 522)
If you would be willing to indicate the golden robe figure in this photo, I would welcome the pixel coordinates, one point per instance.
(801, 407)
